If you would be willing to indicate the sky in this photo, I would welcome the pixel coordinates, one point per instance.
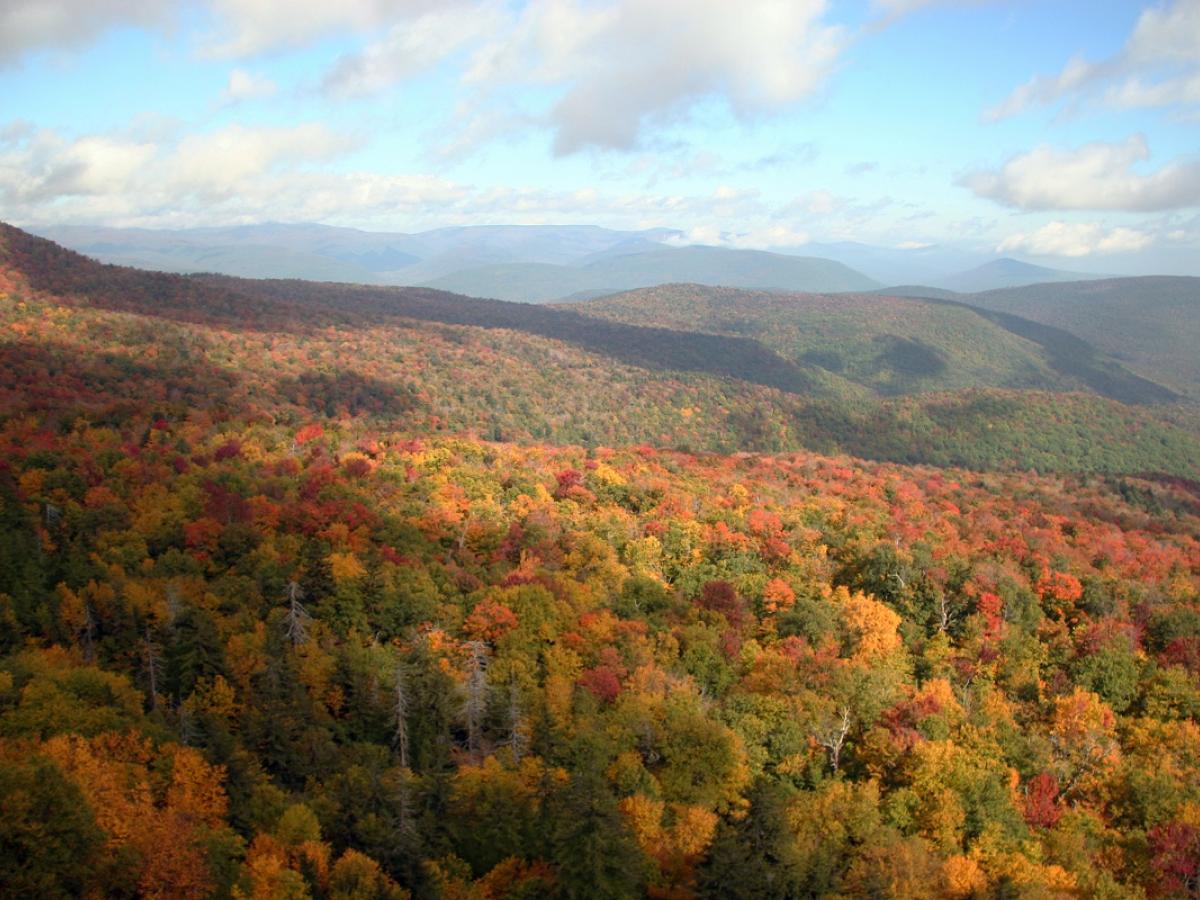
(1065, 133)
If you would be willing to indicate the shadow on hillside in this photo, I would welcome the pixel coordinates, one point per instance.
(346, 392)
(55, 378)
(1072, 356)
(645, 347)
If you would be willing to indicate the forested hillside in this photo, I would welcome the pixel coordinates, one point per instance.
(329, 659)
(1150, 323)
(892, 345)
(275, 623)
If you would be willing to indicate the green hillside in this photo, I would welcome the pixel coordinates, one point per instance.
(1152, 324)
(891, 345)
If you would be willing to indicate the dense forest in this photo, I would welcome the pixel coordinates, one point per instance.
(345, 604)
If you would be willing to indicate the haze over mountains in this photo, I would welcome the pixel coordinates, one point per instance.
(541, 263)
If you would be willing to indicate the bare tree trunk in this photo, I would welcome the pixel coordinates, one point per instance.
(476, 705)
(518, 740)
(400, 711)
(297, 619)
(152, 659)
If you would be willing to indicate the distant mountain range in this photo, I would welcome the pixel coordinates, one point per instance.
(623, 271)
(1007, 273)
(535, 263)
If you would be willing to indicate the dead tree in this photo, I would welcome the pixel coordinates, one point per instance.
(518, 740)
(475, 707)
(152, 659)
(297, 620)
(400, 711)
(832, 736)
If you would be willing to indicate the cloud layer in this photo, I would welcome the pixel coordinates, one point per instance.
(1075, 240)
(1097, 176)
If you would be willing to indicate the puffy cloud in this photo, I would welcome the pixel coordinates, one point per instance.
(245, 85)
(27, 25)
(1076, 239)
(777, 237)
(610, 69)
(1166, 34)
(1095, 176)
(43, 174)
(1043, 89)
(38, 167)
(1159, 65)
(626, 64)
(1136, 92)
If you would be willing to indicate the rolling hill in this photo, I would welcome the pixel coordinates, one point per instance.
(1007, 273)
(1151, 323)
(887, 344)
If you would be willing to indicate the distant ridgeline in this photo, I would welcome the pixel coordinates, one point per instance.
(684, 366)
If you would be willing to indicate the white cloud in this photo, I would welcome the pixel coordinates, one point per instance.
(224, 162)
(245, 85)
(249, 27)
(44, 175)
(1095, 176)
(1159, 65)
(765, 238)
(155, 178)
(626, 64)
(1076, 239)
(1136, 92)
(411, 47)
(1043, 89)
(28, 25)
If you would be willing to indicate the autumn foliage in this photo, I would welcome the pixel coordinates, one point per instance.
(250, 653)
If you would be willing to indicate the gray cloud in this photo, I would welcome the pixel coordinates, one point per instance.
(30, 25)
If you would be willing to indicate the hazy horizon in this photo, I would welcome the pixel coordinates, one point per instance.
(1062, 134)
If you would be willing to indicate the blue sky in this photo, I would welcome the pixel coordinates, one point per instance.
(1066, 133)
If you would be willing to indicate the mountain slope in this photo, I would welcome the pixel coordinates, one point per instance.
(702, 265)
(1152, 324)
(890, 345)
